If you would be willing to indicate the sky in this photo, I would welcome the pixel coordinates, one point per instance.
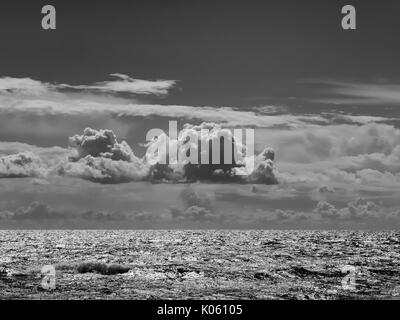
(324, 99)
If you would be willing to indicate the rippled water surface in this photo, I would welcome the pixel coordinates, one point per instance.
(201, 264)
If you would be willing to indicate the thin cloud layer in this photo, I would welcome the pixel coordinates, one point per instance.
(28, 96)
(126, 84)
(358, 93)
(121, 84)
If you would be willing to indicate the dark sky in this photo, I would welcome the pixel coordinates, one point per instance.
(222, 52)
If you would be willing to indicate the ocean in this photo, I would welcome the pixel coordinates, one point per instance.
(211, 264)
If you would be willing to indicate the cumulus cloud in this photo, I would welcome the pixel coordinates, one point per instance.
(281, 215)
(366, 179)
(264, 171)
(196, 147)
(326, 210)
(359, 212)
(49, 156)
(100, 143)
(344, 156)
(98, 156)
(333, 142)
(367, 156)
(200, 214)
(375, 161)
(197, 207)
(203, 152)
(355, 210)
(104, 170)
(324, 189)
(361, 208)
(102, 215)
(281, 218)
(37, 210)
(38, 214)
(322, 192)
(24, 164)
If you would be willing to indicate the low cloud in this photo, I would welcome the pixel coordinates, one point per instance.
(345, 156)
(197, 207)
(198, 214)
(326, 210)
(102, 215)
(284, 216)
(24, 164)
(98, 156)
(37, 210)
(100, 143)
(40, 211)
(357, 209)
(359, 213)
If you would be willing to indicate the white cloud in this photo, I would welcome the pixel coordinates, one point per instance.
(50, 156)
(358, 93)
(122, 84)
(24, 164)
(24, 86)
(127, 84)
(225, 115)
(98, 156)
(31, 96)
(357, 209)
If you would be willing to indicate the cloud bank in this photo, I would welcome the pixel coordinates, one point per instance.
(98, 156)
(199, 211)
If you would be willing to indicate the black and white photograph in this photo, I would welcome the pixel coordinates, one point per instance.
(199, 150)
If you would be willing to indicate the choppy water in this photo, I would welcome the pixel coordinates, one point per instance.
(202, 264)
